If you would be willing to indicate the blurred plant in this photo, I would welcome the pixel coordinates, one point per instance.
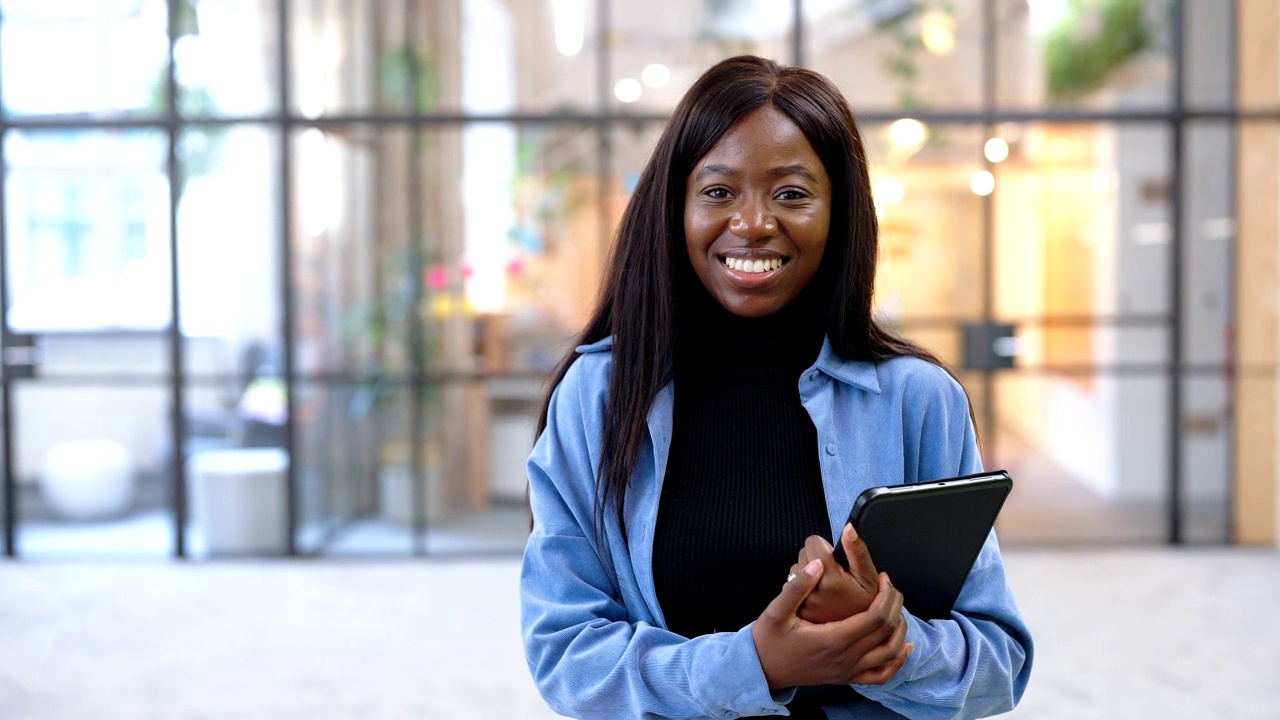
(406, 75)
(901, 60)
(200, 146)
(1091, 40)
(402, 316)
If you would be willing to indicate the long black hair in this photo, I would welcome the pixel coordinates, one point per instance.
(638, 301)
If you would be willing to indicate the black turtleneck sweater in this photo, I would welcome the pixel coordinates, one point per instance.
(743, 488)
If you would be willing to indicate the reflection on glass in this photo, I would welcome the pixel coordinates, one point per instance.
(90, 463)
(657, 52)
(898, 55)
(84, 57)
(1109, 54)
(87, 230)
(1089, 465)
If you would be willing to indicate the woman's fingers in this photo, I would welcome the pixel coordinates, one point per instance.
(880, 675)
(798, 585)
(782, 650)
(860, 565)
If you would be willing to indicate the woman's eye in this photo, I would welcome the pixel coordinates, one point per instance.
(718, 193)
(791, 195)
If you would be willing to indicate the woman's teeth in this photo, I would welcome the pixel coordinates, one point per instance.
(752, 266)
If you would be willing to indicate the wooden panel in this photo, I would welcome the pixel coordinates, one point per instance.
(1257, 321)
(1258, 63)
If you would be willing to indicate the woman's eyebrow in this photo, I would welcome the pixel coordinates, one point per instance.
(715, 170)
(800, 170)
(780, 171)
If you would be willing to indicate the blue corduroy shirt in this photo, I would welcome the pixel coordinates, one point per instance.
(594, 635)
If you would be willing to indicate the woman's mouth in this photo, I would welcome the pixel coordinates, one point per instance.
(750, 266)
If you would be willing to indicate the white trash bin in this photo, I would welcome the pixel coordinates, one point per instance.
(239, 500)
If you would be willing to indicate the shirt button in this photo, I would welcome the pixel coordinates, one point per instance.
(813, 376)
(831, 448)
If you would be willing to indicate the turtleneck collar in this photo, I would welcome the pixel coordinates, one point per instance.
(708, 333)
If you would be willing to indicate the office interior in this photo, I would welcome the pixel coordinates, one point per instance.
(287, 277)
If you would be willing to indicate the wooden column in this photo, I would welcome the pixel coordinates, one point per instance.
(1257, 392)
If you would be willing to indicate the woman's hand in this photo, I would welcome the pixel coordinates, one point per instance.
(840, 593)
(865, 648)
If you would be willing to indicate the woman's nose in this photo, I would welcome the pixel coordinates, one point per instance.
(753, 223)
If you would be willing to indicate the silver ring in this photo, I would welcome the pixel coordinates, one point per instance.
(791, 577)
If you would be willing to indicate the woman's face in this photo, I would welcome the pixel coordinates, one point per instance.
(756, 213)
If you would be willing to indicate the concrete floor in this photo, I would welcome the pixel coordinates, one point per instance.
(1121, 633)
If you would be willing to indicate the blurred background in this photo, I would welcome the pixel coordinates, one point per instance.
(286, 277)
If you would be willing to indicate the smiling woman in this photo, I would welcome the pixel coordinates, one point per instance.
(664, 523)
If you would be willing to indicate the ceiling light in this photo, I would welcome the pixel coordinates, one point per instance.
(982, 182)
(655, 75)
(996, 150)
(570, 18)
(627, 90)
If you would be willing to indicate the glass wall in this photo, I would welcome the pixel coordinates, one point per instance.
(380, 224)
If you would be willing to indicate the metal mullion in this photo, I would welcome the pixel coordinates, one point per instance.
(1231, 295)
(177, 400)
(8, 481)
(417, 473)
(797, 33)
(286, 280)
(934, 117)
(1176, 305)
(989, 79)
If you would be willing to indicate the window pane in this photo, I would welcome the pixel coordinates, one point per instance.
(545, 62)
(87, 223)
(1104, 55)
(898, 55)
(1208, 242)
(453, 251)
(226, 59)
(1116, 491)
(89, 460)
(1082, 220)
(931, 219)
(100, 57)
(1209, 47)
(659, 48)
(229, 284)
(1206, 459)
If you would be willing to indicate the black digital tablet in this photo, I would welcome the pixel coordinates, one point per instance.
(927, 535)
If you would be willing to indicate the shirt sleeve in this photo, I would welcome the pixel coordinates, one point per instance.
(978, 662)
(588, 656)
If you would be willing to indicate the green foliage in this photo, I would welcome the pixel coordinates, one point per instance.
(1093, 38)
(398, 70)
(399, 310)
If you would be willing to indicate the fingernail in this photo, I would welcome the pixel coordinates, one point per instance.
(813, 568)
(853, 532)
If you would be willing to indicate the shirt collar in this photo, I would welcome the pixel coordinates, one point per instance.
(859, 373)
